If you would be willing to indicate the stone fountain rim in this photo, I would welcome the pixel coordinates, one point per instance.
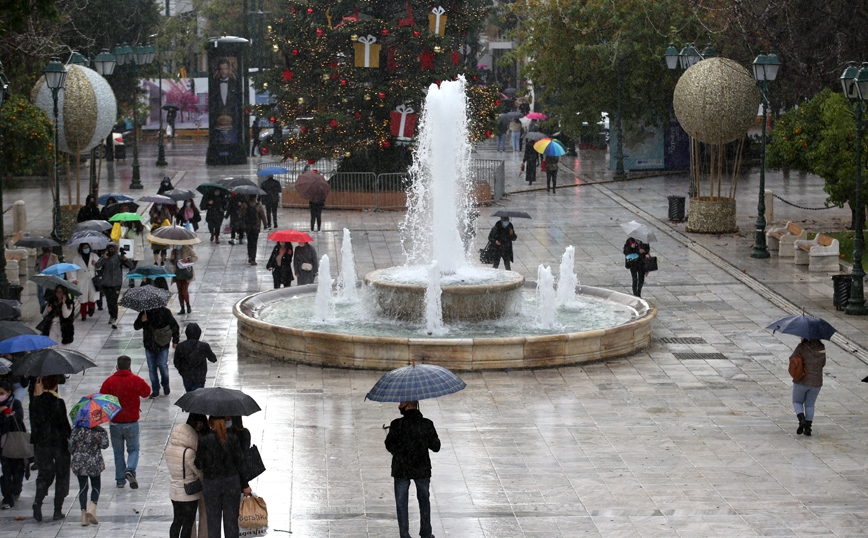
(516, 281)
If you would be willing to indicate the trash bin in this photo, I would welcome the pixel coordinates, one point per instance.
(841, 284)
(676, 208)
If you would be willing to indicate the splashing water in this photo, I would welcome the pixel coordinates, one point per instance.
(323, 290)
(438, 200)
(545, 286)
(567, 280)
(433, 305)
(347, 279)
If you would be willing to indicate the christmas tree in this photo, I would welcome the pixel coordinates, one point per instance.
(360, 70)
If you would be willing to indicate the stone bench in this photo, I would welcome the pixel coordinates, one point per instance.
(819, 254)
(20, 256)
(781, 239)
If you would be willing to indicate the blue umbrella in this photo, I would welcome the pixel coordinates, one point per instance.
(117, 196)
(416, 382)
(272, 171)
(139, 276)
(60, 268)
(25, 342)
(803, 325)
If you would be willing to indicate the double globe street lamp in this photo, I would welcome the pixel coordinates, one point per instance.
(55, 79)
(135, 57)
(765, 70)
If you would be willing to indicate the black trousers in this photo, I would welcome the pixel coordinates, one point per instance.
(282, 276)
(497, 261)
(214, 227)
(252, 239)
(271, 214)
(236, 231)
(638, 274)
(11, 479)
(222, 501)
(316, 217)
(95, 485)
(551, 178)
(53, 465)
(111, 298)
(184, 519)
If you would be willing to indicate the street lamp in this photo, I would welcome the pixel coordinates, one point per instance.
(104, 64)
(765, 70)
(855, 84)
(55, 79)
(4, 282)
(161, 149)
(138, 56)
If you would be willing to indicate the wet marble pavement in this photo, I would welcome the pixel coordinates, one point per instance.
(693, 437)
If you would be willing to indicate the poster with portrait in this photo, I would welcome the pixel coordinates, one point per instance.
(224, 100)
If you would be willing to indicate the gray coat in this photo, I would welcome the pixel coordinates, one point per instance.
(813, 354)
(305, 253)
(110, 268)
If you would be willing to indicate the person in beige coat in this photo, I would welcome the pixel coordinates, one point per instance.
(180, 456)
(183, 277)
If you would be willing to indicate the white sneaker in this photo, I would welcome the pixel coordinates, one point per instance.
(114, 323)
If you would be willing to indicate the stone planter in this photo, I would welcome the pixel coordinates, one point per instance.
(711, 216)
(68, 219)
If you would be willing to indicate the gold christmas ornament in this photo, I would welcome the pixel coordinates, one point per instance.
(354, 37)
(344, 100)
(295, 159)
(716, 101)
(367, 97)
(301, 100)
(325, 77)
(347, 154)
(437, 49)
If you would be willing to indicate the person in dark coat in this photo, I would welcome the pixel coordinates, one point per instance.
(254, 215)
(305, 264)
(529, 163)
(11, 470)
(165, 185)
(500, 239)
(50, 437)
(255, 131)
(191, 358)
(111, 265)
(235, 207)
(219, 455)
(280, 265)
(409, 440)
(634, 253)
(552, 163)
(89, 211)
(272, 200)
(188, 213)
(806, 390)
(316, 214)
(215, 207)
(153, 324)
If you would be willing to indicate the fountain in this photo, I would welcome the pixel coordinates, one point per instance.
(439, 307)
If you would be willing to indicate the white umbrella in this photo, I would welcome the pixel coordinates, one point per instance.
(638, 231)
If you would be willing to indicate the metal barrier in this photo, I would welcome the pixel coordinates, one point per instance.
(392, 191)
(492, 172)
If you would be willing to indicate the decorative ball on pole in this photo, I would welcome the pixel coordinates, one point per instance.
(765, 70)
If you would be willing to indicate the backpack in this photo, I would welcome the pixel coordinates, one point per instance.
(797, 368)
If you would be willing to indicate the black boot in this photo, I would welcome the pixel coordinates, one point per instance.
(58, 512)
(801, 417)
(808, 427)
(37, 511)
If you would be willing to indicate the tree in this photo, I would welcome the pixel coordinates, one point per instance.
(28, 142)
(324, 47)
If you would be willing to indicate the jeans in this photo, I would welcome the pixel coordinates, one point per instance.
(111, 299)
(190, 387)
(184, 519)
(638, 274)
(82, 490)
(804, 398)
(271, 215)
(501, 142)
(53, 465)
(158, 360)
(402, 496)
(222, 503)
(252, 239)
(516, 140)
(125, 432)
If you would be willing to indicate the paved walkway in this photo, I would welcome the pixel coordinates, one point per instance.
(693, 437)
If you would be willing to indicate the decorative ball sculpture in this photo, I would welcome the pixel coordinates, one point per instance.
(86, 108)
(716, 101)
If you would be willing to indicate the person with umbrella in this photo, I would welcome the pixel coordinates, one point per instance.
(11, 469)
(86, 444)
(86, 258)
(59, 317)
(214, 205)
(188, 213)
(44, 260)
(159, 329)
(129, 389)
(110, 266)
(500, 240)
(104, 212)
(305, 263)
(515, 132)
(500, 132)
(254, 215)
(635, 252)
(280, 265)
(272, 200)
(50, 437)
(235, 207)
(530, 160)
(137, 233)
(89, 211)
(160, 216)
(181, 264)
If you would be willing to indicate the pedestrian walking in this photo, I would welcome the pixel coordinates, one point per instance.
(188, 214)
(635, 253)
(137, 233)
(104, 212)
(305, 264)
(181, 264)
(254, 215)
(180, 459)
(59, 317)
(199, 423)
(235, 208)
(191, 358)
(50, 437)
(529, 163)
(552, 164)
(316, 214)
(159, 329)
(44, 260)
(500, 134)
(160, 216)
(500, 240)
(11, 469)
(280, 265)
(215, 208)
(89, 211)
(165, 185)
(272, 200)
(111, 267)
(129, 389)
(515, 134)
(86, 258)
(806, 390)
(255, 131)
(85, 447)
(409, 440)
(219, 455)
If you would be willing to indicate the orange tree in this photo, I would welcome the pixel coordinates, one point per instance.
(28, 145)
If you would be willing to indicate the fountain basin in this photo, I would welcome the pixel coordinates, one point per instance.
(490, 298)
(260, 338)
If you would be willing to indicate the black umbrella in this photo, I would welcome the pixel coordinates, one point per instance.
(171, 106)
(156, 199)
(510, 91)
(9, 308)
(8, 329)
(36, 242)
(511, 214)
(52, 362)
(211, 188)
(218, 401)
(114, 209)
(92, 226)
(509, 116)
(145, 298)
(52, 281)
(179, 195)
(234, 182)
(249, 189)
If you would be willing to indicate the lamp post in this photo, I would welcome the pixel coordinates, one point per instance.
(140, 56)
(55, 79)
(855, 84)
(765, 70)
(161, 150)
(4, 282)
(104, 64)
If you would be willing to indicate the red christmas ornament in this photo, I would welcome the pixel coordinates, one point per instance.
(496, 101)
(310, 11)
(427, 59)
(343, 82)
(247, 111)
(272, 121)
(385, 31)
(292, 9)
(319, 32)
(416, 33)
(304, 129)
(333, 123)
(287, 75)
(475, 78)
(386, 144)
(281, 19)
(311, 161)
(455, 57)
(357, 115)
(295, 52)
(487, 134)
(382, 95)
(334, 76)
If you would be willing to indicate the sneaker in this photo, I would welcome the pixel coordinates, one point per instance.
(121, 485)
(153, 395)
(131, 478)
(231, 241)
(5, 506)
(166, 390)
(114, 323)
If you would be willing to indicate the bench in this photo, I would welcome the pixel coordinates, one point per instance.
(819, 254)
(781, 239)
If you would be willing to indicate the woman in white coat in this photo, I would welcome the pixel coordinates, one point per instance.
(137, 232)
(180, 456)
(83, 278)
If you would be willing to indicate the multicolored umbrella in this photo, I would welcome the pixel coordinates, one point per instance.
(416, 382)
(25, 342)
(60, 268)
(94, 410)
(312, 186)
(290, 236)
(145, 298)
(125, 217)
(550, 147)
(173, 235)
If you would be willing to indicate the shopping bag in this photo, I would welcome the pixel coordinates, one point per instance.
(16, 444)
(253, 513)
(251, 464)
(116, 232)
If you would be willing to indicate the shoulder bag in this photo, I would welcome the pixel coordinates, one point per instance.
(163, 336)
(650, 263)
(190, 488)
(797, 368)
(251, 464)
(16, 444)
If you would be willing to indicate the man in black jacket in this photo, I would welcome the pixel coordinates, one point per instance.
(409, 440)
(272, 200)
(50, 435)
(191, 358)
(156, 326)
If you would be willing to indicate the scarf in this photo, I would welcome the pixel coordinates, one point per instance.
(188, 213)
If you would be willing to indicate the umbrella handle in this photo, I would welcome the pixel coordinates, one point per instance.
(385, 427)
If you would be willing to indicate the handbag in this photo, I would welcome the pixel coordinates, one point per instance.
(184, 273)
(251, 464)
(16, 444)
(486, 255)
(97, 281)
(650, 263)
(797, 368)
(44, 326)
(253, 513)
(306, 267)
(190, 488)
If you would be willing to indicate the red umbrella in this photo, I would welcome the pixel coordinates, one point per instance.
(312, 186)
(290, 236)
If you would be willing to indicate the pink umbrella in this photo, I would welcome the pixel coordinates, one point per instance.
(536, 116)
